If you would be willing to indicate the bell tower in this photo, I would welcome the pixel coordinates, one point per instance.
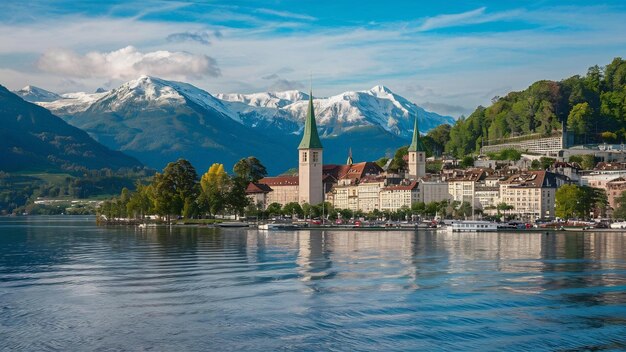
(310, 186)
(417, 154)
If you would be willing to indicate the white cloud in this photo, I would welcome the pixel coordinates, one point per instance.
(128, 63)
(476, 16)
(287, 14)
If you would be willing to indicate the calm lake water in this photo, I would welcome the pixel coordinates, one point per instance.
(66, 284)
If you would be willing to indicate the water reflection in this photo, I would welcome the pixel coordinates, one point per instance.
(71, 285)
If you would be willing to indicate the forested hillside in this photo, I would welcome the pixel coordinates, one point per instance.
(593, 107)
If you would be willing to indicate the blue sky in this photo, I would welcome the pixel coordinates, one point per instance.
(446, 56)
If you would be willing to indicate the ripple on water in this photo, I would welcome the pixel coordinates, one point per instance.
(69, 285)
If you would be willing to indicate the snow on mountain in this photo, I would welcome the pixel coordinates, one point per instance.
(378, 106)
(281, 112)
(268, 99)
(152, 92)
(36, 94)
(71, 103)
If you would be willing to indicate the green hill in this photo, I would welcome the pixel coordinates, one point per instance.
(593, 107)
(32, 139)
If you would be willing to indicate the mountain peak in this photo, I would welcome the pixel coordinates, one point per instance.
(381, 89)
(35, 94)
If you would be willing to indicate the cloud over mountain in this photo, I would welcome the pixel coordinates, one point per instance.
(127, 63)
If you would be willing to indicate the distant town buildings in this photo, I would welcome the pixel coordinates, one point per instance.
(490, 186)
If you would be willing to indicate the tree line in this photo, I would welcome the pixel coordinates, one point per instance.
(179, 191)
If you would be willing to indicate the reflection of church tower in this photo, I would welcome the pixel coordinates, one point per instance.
(349, 162)
(417, 154)
(310, 165)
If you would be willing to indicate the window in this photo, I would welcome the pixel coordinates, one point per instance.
(315, 157)
(421, 156)
(304, 157)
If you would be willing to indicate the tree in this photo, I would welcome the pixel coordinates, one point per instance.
(608, 137)
(140, 202)
(620, 210)
(171, 188)
(588, 162)
(398, 163)
(546, 162)
(568, 200)
(535, 165)
(274, 209)
(418, 208)
(579, 119)
(291, 209)
(236, 198)
(467, 161)
(250, 169)
(576, 159)
(214, 185)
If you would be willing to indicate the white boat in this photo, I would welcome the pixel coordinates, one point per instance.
(472, 226)
(276, 227)
(619, 225)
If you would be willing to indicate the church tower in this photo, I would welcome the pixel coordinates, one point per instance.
(417, 155)
(310, 166)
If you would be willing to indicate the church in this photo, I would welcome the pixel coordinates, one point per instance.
(359, 186)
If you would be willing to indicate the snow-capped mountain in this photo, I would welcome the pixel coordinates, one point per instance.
(158, 121)
(71, 103)
(36, 94)
(153, 93)
(378, 106)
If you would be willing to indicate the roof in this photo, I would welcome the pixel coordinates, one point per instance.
(258, 188)
(280, 181)
(408, 187)
(610, 166)
(416, 142)
(533, 179)
(354, 171)
(310, 138)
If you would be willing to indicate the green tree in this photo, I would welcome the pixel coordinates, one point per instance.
(535, 165)
(589, 161)
(250, 169)
(575, 159)
(546, 162)
(568, 200)
(274, 209)
(398, 163)
(467, 161)
(236, 198)
(579, 119)
(292, 208)
(620, 209)
(177, 183)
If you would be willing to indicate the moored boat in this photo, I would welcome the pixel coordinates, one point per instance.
(472, 226)
(619, 225)
(233, 224)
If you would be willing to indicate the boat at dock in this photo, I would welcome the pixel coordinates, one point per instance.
(233, 224)
(277, 227)
(472, 226)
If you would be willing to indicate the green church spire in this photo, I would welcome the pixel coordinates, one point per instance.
(416, 143)
(310, 138)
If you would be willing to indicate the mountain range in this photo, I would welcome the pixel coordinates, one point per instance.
(158, 121)
(33, 139)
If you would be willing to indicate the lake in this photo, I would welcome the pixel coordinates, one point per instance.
(68, 285)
